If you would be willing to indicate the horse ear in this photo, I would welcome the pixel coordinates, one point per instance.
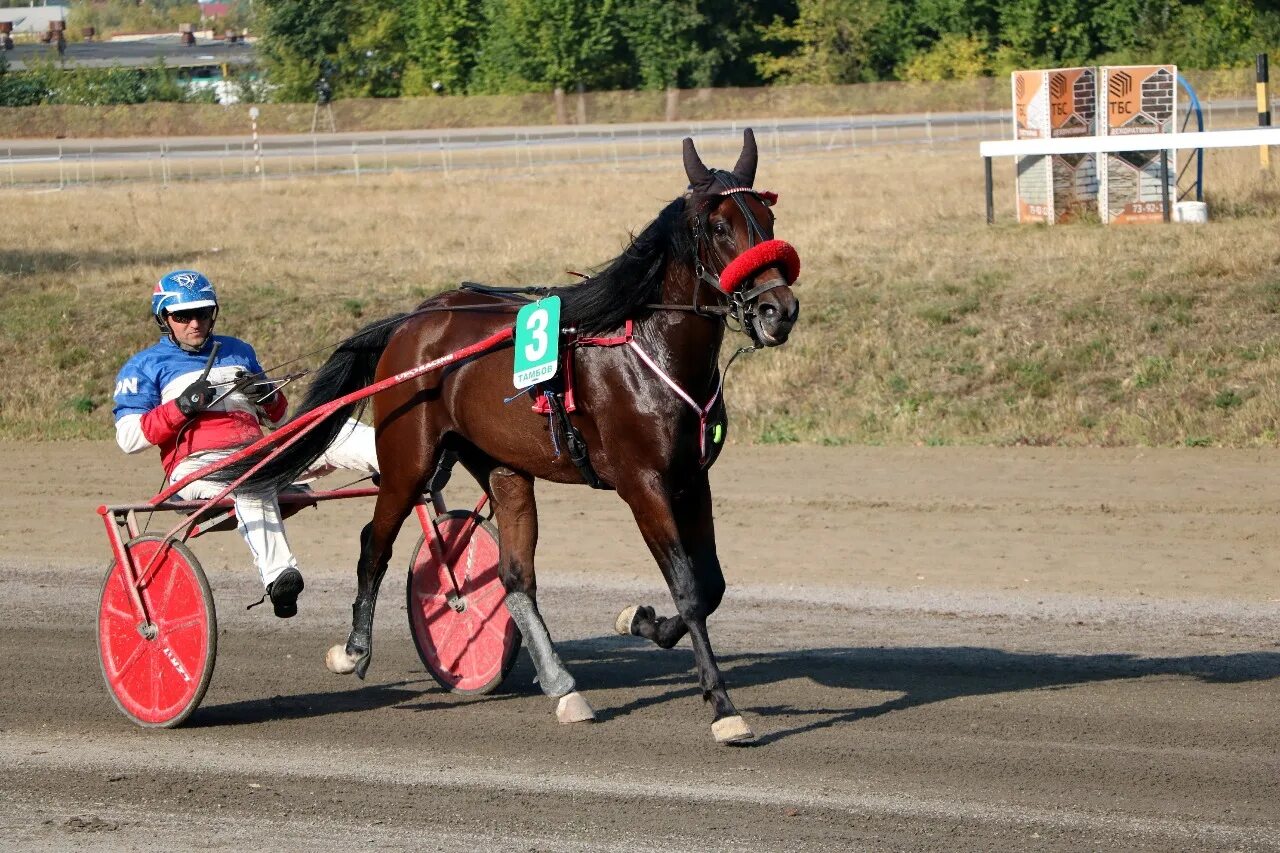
(699, 175)
(746, 165)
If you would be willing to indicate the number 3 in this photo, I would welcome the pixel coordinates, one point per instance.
(537, 326)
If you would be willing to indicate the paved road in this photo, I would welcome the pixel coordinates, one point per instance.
(412, 142)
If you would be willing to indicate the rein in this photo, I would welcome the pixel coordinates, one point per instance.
(762, 253)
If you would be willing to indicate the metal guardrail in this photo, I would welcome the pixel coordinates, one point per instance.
(44, 164)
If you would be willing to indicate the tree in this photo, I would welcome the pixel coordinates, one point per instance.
(833, 43)
(297, 36)
(1049, 32)
(1222, 35)
(371, 62)
(952, 57)
(660, 35)
(536, 45)
(447, 42)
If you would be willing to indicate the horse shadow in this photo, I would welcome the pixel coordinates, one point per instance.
(915, 676)
(302, 706)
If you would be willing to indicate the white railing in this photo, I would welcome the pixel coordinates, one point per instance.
(1163, 142)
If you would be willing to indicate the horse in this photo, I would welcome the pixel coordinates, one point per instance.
(645, 419)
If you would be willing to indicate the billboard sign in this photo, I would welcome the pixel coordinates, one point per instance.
(1052, 103)
(1136, 99)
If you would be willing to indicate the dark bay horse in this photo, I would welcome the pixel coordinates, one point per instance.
(649, 412)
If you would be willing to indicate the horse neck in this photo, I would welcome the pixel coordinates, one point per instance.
(691, 342)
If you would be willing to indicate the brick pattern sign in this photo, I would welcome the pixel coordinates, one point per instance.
(1053, 103)
(1137, 99)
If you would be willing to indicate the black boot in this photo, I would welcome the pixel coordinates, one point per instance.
(284, 591)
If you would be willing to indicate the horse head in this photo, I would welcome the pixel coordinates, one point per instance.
(734, 247)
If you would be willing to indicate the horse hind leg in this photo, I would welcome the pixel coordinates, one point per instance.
(395, 502)
(517, 515)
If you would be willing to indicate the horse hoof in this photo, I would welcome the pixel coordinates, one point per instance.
(731, 730)
(573, 708)
(339, 662)
(626, 619)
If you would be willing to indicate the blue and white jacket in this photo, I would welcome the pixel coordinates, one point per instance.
(148, 385)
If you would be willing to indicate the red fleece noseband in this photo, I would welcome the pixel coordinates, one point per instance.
(759, 257)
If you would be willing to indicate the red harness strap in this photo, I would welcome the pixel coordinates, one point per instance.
(540, 404)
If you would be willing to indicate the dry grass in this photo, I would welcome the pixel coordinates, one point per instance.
(919, 323)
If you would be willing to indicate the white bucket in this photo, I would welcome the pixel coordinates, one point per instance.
(1191, 211)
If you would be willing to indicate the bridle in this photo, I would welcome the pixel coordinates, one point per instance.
(733, 304)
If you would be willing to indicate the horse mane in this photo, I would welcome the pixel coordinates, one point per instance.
(633, 278)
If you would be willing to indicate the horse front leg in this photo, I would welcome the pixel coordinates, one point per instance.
(517, 515)
(680, 533)
(396, 499)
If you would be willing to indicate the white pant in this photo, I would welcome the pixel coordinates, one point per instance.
(258, 519)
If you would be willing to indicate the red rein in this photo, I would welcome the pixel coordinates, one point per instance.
(759, 257)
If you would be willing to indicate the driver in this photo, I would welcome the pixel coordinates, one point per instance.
(162, 399)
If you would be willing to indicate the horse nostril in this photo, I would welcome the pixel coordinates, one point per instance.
(768, 311)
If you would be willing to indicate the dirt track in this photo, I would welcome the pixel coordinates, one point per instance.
(940, 648)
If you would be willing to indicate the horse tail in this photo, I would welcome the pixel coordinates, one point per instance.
(351, 367)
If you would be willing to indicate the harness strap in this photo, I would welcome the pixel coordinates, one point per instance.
(619, 340)
(577, 445)
(703, 411)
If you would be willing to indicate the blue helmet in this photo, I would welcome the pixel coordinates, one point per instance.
(182, 290)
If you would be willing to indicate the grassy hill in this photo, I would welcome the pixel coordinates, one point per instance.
(919, 323)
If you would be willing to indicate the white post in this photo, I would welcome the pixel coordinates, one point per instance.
(93, 168)
(257, 148)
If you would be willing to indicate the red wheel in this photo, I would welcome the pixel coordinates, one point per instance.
(157, 674)
(468, 641)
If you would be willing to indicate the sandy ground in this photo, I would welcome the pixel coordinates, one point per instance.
(939, 648)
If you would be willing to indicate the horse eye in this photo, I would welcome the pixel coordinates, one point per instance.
(721, 229)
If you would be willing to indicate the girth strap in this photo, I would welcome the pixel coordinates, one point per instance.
(577, 445)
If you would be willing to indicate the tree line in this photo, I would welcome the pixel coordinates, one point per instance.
(393, 48)
(386, 48)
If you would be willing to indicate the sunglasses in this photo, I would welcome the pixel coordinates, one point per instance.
(182, 318)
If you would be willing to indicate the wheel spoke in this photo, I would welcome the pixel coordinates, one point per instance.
(155, 684)
(485, 594)
(171, 579)
(442, 645)
(123, 615)
(489, 627)
(168, 627)
(437, 597)
(138, 650)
